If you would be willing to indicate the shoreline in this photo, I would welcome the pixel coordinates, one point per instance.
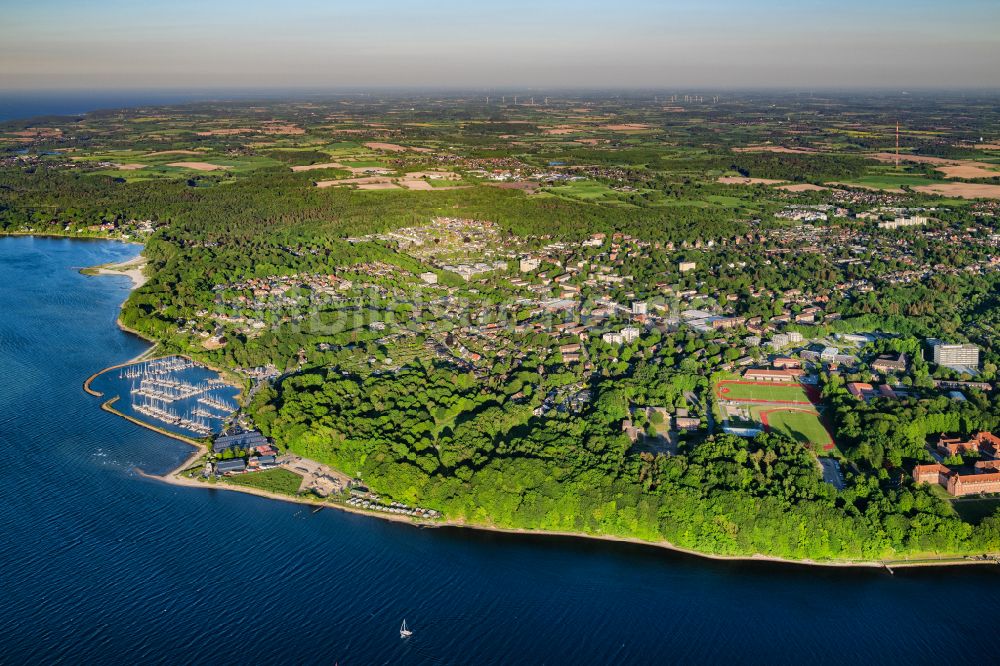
(71, 236)
(134, 269)
(174, 477)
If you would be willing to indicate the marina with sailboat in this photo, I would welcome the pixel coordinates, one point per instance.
(172, 392)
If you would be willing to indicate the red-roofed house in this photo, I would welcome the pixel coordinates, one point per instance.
(861, 391)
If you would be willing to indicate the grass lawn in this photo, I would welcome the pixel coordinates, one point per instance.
(272, 480)
(974, 510)
(762, 392)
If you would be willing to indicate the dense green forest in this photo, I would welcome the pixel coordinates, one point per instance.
(437, 437)
(489, 398)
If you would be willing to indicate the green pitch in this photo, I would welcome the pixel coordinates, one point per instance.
(762, 392)
(802, 426)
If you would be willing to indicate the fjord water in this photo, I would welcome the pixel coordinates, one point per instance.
(100, 564)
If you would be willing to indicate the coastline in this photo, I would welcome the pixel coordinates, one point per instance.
(70, 235)
(133, 269)
(174, 477)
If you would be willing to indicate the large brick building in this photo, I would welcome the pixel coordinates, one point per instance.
(986, 473)
(983, 443)
(935, 473)
(973, 484)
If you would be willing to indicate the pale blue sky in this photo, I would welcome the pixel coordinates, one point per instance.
(712, 43)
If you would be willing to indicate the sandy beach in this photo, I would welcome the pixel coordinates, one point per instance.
(134, 269)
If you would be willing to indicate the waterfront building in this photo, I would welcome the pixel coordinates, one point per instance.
(238, 440)
(234, 466)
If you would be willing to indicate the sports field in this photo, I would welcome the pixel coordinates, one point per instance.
(763, 392)
(802, 425)
(785, 408)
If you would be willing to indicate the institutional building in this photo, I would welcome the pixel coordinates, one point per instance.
(955, 355)
(887, 364)
(765, 375)
(986, 473)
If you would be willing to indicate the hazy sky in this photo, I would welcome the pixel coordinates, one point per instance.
(108, 44)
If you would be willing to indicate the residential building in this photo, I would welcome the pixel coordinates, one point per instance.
(529, 264)
(686, 423)
(627, 335)
(899, 222)
(726, 322)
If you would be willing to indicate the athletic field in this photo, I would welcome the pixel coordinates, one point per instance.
(763, 392)
(786, 408)
(802, 425)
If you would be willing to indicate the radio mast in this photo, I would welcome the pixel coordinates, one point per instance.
(897, 144)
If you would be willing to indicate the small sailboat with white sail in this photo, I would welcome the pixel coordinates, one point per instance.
(404, 631)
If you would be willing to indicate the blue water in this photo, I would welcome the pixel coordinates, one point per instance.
(21, 105)
(113, 384)
(24, 104)
(101, 565)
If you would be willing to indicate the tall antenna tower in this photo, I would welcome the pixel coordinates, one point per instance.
(897, 144)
